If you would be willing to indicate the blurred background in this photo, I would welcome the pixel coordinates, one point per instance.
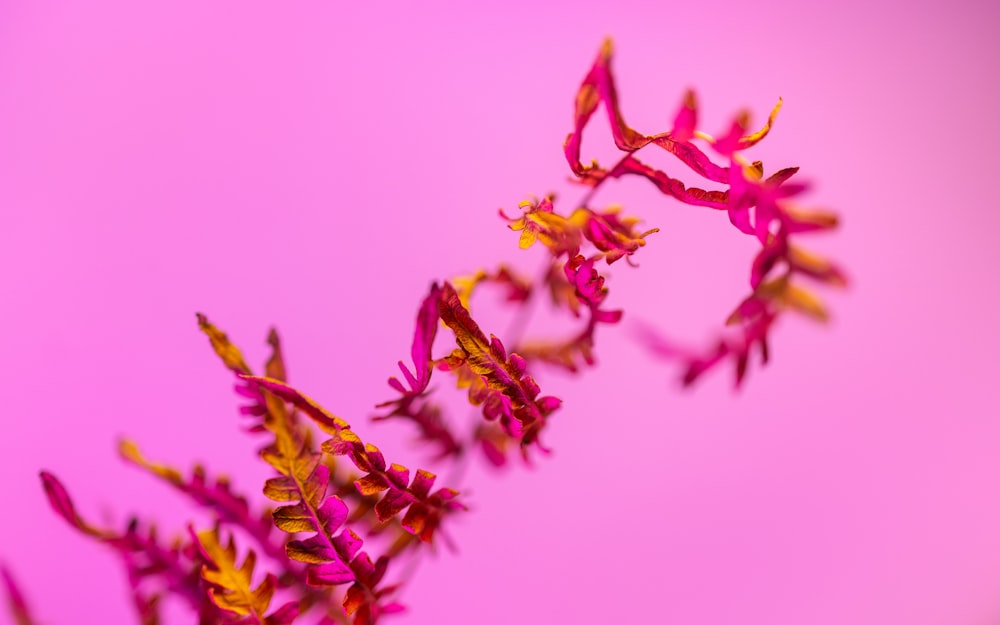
(315, 165)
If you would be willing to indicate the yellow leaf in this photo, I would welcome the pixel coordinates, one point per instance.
(229, 353)
(800, 299)
(232, 589)
(752, 139)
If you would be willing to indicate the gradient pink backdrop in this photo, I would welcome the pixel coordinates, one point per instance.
(315, 164)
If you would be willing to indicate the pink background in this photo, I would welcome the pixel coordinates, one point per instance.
(315, 164)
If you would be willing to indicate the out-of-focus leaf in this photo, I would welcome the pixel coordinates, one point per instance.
(231, 584)
(15, 600)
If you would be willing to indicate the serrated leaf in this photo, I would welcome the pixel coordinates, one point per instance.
(231, 584)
